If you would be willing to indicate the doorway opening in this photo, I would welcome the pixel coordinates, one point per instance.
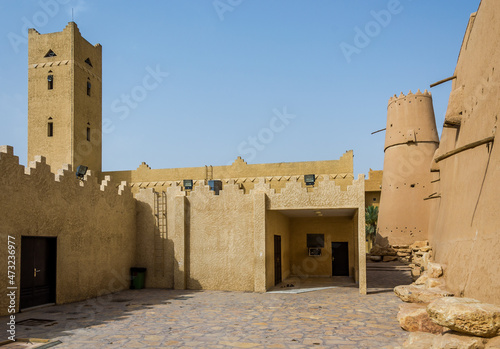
(340, 258)
(277, 259)
(38, 271)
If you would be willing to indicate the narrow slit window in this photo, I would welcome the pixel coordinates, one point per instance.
(89, 86)
(50, 79)
(50, 129)
(88, 134)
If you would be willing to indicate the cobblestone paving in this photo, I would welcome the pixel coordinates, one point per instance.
(331, 318)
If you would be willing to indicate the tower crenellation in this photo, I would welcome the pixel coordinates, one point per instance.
(410, 142)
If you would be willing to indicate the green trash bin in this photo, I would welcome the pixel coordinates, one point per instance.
(137, 278)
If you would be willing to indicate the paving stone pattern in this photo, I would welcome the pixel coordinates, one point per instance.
(152, 318)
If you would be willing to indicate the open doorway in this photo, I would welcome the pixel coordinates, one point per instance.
(38, 271)
(340, 258)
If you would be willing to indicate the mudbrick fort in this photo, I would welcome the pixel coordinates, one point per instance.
(248, 227)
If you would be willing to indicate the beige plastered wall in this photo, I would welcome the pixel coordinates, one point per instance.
(277, 224)
(226, 241)
(94, 225)
(464, 231)
(335, 229)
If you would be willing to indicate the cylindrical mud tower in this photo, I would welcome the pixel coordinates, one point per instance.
(410, 142)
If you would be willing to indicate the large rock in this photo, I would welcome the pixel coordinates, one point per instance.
(449, 340)
(422, 258)
(459, 341)
(419, 294)
(494, 343)
(434, 270)
(433, 283)
(419, 340)
(422, 279)
(413, 317)
(466, 315)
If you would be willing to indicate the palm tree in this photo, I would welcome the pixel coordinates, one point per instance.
(371, 217)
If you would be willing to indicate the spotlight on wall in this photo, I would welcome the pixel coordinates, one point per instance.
(188, 184)
(81, 171)
(309, 179)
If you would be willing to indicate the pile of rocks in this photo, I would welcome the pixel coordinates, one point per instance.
(416, 255)
(439, 320)
(421, 254)
(382, 254)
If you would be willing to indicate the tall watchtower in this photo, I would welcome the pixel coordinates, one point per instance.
(411, 140)
(65, 99)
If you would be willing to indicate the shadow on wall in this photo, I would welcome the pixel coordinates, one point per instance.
(157, 253)
(381, 241)
(191, 284)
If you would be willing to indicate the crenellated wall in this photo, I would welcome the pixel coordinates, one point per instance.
(240, 172)
(225, 241)
(94, 224)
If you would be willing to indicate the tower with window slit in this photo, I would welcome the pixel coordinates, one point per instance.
(65, 99)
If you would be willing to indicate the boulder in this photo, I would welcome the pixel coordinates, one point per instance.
(419, 340)
(466, 315)
(413, 317)
(419, 294)
(415, 272)
(425, 249)
(375, 258)
(422, 279)
(457, 340)
(433, 283)
(448, 340)
(494, 343)
(422, 259)
(434, 270)
(403, 254)
(389, 258)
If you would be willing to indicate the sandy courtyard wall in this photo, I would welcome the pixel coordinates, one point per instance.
(94, 226)
(219, 240)
(465, 231)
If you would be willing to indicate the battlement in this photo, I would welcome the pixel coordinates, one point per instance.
(38, 171)
(409, 96)
(410, 120)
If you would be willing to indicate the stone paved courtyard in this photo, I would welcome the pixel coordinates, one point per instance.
(330, 318)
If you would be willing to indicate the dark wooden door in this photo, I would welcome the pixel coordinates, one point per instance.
(38, 271)
(340, 259)
(277, 259)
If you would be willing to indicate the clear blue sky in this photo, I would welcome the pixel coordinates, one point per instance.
(234, 65)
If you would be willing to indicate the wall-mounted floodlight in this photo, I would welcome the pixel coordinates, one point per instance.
(81, 171)
(309, 179)
(187, 184)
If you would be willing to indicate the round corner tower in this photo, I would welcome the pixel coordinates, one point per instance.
(410, 142)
